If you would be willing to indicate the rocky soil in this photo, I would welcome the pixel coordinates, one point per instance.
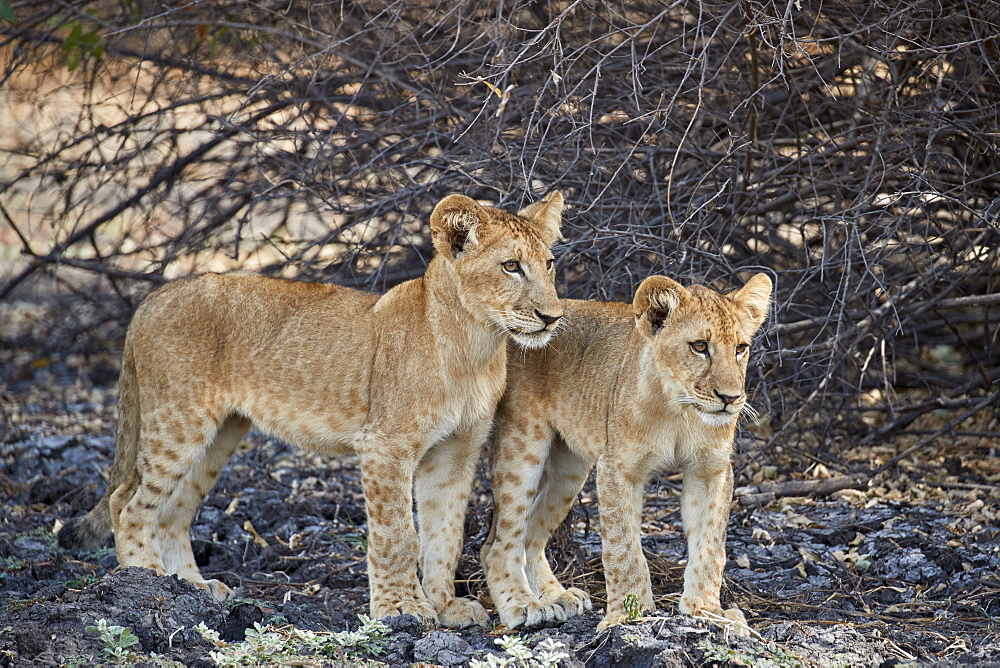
(906, 572)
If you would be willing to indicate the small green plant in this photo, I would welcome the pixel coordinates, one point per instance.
(163, 662)
(80, 44)
(546, 654)
(81, 582)
(7, 12)
(270, 645)
(862, 562)
(7, 655)
(356, 538)
(99, 553)
(117, 640)
(248, 600)
(209, 634)
(45, 536)
(82, 41)
(23, 603)
(632, 609)
(773, 657)
(12, 563)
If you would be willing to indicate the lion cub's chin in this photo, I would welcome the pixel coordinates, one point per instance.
(716, 418)
(533, 340)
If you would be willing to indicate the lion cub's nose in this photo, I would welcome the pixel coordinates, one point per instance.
(726, 398)
(547, 319)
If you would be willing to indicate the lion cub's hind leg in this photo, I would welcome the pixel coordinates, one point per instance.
(562, 478)
(180, 509)
(152, 511)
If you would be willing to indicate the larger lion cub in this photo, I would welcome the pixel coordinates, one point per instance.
(637, 388)
(408, 380)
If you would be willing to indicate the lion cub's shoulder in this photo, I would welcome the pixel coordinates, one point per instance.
(588, 322)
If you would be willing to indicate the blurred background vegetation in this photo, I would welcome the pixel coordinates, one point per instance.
(850, 149)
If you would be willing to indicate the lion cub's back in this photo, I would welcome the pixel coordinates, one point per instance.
(245, 306)
(218, 326)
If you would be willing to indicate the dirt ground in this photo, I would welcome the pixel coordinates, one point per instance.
(904, 573)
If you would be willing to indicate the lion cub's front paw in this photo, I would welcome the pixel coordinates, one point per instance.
(556, 608)
(419, 608)
(526, 615)
(731, 620)
(219, 590)
(570, 601)
(462, 612)
(611, 619)
(739, 626)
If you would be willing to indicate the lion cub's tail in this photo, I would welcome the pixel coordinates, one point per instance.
(88, 532)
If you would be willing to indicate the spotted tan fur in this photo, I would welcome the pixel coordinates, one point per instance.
(408, 380)
(637, 389)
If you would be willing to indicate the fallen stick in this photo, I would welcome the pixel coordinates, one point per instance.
(753, 495)
(765, 493)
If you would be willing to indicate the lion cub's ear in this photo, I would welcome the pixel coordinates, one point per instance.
(755, 299)
(547, 216)
(454, 222)
(655, 299)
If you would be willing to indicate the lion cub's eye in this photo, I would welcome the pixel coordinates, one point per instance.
(741, 348)
(549, 264)
(700, 347)
(512, 267)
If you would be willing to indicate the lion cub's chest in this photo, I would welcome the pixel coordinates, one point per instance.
(668, 439)
(651, 434)
(467, 397)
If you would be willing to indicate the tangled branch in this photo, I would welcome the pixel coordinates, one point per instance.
(848, 148)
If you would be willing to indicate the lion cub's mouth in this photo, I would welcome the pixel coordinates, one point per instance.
(716, 417)
(535, 339)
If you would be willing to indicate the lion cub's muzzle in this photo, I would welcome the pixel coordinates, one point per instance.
(723, 411)
(727, 399)
(717, 417)
(548, 323)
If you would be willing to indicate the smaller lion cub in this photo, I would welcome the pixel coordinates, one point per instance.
(638, 389)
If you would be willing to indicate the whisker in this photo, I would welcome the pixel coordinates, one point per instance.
(682, 400)
(501, 320)
(749, 412)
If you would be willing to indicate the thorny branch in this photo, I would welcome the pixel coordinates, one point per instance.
(848, 148)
